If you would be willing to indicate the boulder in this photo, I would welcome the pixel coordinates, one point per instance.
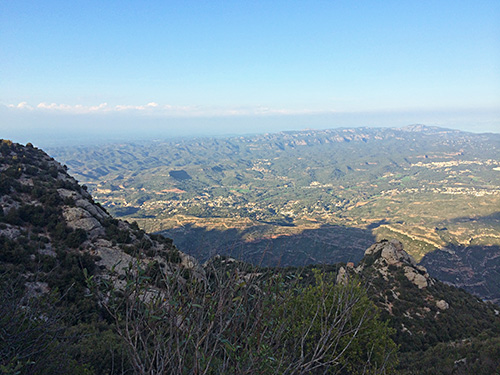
(415, 277)
(342, 276)
(442, 305)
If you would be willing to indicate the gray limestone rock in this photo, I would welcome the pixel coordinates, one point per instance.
(94, 210)
(113, 258)
(391, 253)
(342, 276)
(442, 305)
(78, 218)
(415, 277)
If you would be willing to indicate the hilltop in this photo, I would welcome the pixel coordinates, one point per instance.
(48, 212)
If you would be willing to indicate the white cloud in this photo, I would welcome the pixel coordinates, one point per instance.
(22, 105)
(148, 106)
(99, 107)
(161, 110)
(54, 106)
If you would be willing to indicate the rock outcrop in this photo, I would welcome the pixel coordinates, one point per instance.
(385, 254)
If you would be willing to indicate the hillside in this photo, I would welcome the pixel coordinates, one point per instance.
(53, 238)
(334, 192)
(84, 293)
(431, 319)
(47, 212)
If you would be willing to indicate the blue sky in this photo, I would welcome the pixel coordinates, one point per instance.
(160, 68)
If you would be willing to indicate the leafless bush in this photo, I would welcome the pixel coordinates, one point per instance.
(238, 322)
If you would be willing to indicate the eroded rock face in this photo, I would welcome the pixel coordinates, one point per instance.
(79, 218)
(391, 253)
(83, 202)
(415, 277)
(112, 258)
(91, 208)
(84, 215)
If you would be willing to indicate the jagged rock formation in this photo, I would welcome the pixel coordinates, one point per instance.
(423, 310)
(391, 253)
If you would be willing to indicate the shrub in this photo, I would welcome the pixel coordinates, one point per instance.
(76, 238)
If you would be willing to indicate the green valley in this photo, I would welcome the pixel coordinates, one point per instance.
(85, 293)
(333, 191)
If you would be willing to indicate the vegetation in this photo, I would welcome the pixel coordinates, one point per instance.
(111, 299)
(63, 311)
(247, 323)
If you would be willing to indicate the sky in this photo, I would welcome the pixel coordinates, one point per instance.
(76, 71)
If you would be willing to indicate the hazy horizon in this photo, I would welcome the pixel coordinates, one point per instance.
(82, 72)
(85, 131)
